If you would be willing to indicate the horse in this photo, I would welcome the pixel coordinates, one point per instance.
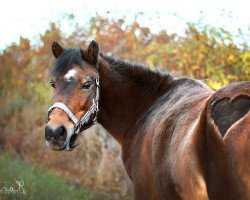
(179, 139)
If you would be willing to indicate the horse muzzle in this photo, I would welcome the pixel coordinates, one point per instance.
(60, 138)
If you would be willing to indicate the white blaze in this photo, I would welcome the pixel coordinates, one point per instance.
(70, 73)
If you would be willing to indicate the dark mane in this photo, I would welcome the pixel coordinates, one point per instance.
(137, 70)
(65, 61)
(141, 72)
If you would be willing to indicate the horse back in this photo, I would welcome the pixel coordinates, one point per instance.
(185, 148)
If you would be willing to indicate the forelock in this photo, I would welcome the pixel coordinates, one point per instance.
(66, 61)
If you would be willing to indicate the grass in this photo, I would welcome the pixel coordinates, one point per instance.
(38, 184)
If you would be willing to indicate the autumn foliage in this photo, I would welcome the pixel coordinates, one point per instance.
(203, 52)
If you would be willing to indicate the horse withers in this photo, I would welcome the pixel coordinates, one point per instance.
(179, 139)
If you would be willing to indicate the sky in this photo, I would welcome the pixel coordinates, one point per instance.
(29, 18)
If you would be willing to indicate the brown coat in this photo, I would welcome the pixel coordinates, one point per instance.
(179, 139)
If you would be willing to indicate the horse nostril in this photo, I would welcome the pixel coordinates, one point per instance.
(48, 133)
(61, 133)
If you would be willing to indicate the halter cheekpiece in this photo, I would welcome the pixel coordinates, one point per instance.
(84, 121)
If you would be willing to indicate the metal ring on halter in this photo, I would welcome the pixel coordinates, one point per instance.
(78, 128)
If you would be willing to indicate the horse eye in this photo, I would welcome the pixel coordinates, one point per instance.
(86, 85)
(52, 83)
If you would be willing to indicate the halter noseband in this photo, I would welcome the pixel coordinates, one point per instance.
(85, 119)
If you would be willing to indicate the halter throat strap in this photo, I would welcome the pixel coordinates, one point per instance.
(79, 124)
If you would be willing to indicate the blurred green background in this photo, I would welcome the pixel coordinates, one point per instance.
(94, 170)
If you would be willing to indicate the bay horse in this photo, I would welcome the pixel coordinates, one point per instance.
(179, 139)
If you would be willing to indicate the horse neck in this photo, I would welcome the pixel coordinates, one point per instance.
(126, 93)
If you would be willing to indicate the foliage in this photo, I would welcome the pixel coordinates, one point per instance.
(203, 52)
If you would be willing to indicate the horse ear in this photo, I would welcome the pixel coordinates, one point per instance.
(93, 52)
(56, 49)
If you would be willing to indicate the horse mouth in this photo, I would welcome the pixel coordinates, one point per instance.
(60, 145)
(55, 146)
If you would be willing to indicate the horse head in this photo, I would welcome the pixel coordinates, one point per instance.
(75, 83)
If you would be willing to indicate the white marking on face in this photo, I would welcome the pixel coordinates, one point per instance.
(70, 74)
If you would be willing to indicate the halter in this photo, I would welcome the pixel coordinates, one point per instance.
(83, 122)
